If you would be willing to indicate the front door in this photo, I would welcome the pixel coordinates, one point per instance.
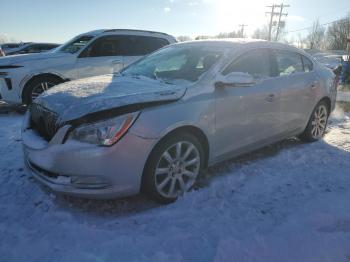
(100, 57)
(247, 115)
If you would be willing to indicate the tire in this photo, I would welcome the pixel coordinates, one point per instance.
(37, 86)
(169, 174)
(317, 124)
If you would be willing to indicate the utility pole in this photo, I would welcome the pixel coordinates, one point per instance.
(272, 14)
(281, 6)
(242, 29)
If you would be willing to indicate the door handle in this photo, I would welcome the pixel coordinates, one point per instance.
(270, 97)
(114, 62)
(313, 85)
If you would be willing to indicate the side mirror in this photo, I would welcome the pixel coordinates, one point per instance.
(234, 79)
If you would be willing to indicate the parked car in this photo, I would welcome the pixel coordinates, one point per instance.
(158, 123)
(329, 60)
(24, 77)
(31, 48)
(10, 46)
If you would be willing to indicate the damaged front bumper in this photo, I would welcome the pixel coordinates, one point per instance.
(86, 170)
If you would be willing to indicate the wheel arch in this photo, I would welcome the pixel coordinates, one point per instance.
(38, 76)
(328, 102)
(191, 129)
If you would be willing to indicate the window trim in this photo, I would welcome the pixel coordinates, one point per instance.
(302, 59)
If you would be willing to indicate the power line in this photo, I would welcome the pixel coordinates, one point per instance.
(306, 28)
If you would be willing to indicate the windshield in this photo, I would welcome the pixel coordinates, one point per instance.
(175, 63)
(75, 45)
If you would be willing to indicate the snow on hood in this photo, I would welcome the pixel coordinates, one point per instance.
(14, 59)
(78, 98)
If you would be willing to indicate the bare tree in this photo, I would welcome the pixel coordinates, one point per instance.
(5, 39)
(337, 34)
(316, 36)
(183, 38)
(232, 34)
(200, 37)
(301, 42)
(261, 33)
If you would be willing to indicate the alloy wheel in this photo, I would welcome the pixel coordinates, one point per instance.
(319, 122)
(177, 169)
(40, 88)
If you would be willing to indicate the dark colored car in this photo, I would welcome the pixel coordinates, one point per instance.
(32, 48)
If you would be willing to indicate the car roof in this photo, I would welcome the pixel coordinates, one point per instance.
(127, 31)
(243, 42)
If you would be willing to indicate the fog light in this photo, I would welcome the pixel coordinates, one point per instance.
(89, 182)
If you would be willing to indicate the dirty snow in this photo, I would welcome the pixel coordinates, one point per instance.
(287, 202)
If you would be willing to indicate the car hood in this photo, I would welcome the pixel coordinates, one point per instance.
(76, 99)
(18, 59)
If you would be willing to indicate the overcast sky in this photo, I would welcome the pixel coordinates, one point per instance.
(58, 21)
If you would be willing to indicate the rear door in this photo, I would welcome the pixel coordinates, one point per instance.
(297, 80)
(248, 115)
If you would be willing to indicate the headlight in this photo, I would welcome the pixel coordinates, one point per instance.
(104, 133)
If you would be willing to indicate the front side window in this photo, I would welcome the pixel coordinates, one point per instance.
(175, 63)
(288, 63)
(103, 46)
(256, 63)
(32, 49)
(75, 45)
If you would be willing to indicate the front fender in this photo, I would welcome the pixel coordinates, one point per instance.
(155, 123)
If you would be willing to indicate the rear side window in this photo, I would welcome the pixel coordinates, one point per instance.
(308, 65)
(288, 63)
(140, 45)
(255, 63)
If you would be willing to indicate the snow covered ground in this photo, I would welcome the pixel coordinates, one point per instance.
(287, 202)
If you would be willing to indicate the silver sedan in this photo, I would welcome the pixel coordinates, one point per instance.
(155, 126)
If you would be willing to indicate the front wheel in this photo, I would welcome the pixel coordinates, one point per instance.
(173, 167)
(317, 124)
(37, 87)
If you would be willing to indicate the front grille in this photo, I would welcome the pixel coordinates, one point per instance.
(43, 121)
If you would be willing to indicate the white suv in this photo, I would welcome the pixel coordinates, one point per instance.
(24, 77)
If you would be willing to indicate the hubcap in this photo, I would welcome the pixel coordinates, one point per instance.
(40, 88)
(319, 122)
(177, 169)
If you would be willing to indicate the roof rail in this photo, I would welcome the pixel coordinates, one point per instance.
(135, 30)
